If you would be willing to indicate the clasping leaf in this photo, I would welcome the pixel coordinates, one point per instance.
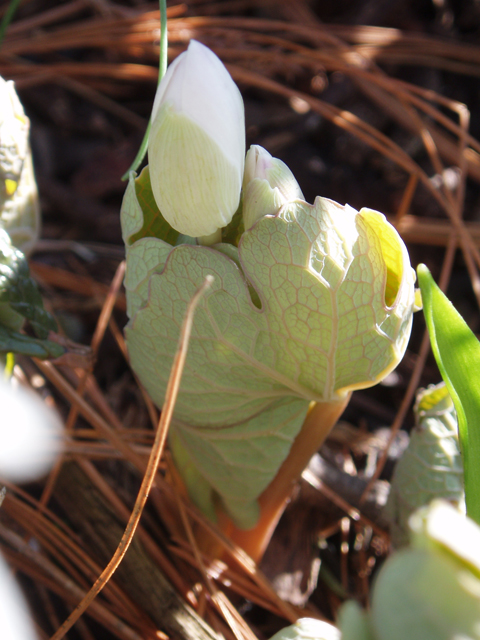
(314, 302)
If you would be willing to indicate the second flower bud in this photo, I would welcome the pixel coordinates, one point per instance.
(268, 184)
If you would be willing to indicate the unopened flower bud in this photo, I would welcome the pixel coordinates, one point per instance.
(196, 149)
(268, 184)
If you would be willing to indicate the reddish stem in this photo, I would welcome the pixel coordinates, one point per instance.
(320, 419)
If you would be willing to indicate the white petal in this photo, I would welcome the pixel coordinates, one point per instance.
(197, 189)
(29, 434)
(14, 614)
(165, 83)
(196, 148)
(198, 85)
(308, 629)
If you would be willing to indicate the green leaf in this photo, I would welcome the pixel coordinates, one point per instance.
(19, 292)
(15, 342)
(306, 309)
(457, 352)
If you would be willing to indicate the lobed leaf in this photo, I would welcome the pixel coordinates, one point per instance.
(307, 308)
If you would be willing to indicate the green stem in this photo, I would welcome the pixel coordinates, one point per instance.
(7, 18)
(162, 68)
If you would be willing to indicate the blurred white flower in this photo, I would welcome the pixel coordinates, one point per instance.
(308, 629)
(196, 149)
(29, 442)
(29, 434)
(14, 129)
(14, 615)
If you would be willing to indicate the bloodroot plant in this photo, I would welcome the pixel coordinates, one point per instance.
(309, 301)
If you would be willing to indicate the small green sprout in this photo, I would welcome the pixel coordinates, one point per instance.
(431, 466)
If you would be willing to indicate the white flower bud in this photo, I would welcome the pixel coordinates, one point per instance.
(268, 184)
(196, 149)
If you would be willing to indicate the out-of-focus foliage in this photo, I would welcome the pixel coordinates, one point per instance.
(431, 466)
(427, 591)
(20, 299)
(19, 206)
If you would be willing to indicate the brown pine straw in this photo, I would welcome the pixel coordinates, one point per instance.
(74, 282)
(266, 55)
(223, 574)
(151, 470)
(397, 98)
(65, 552)
(98, 334)
(36, 564)
(353, 513)
(236, 623)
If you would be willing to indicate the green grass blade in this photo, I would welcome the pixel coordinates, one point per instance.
(457, 352)
(7, 18)
(162, 68)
